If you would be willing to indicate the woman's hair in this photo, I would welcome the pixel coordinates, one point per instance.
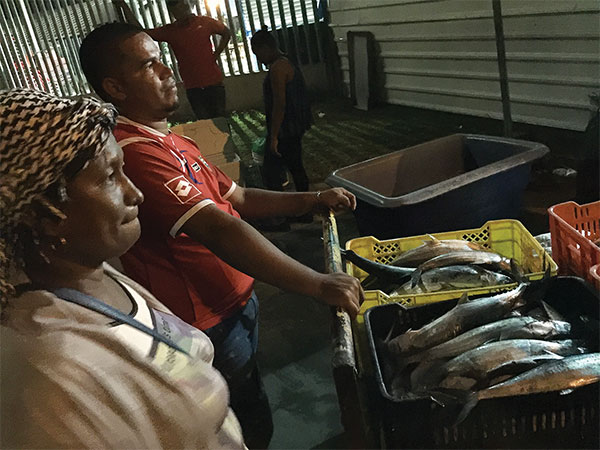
(44, 142)
(263, 38)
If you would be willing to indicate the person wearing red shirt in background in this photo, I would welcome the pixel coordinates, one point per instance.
(196, 253)
(189, 37)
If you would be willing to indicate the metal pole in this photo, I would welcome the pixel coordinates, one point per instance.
(317, 30)
(306, 32)
(498, 26)
(236, 50)
(71, 48)
(226, 49)
(295, 31)
(23, 53)
(283, 25)
(51, 54)
(170, 58)
(253, 30)
(6, 59)
(46, 77)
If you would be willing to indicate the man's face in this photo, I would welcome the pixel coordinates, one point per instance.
(147, 86)
(261, 53)
(179, 8)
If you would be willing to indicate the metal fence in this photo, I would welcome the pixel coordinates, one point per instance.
(39, 39)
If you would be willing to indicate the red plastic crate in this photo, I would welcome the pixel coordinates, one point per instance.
(574, 228)
(595, 274)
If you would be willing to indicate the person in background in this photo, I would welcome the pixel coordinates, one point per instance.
(196, 253)
(288, 115)
(89, 358)
(190, 38)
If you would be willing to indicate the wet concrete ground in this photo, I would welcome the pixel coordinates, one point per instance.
(294, 349)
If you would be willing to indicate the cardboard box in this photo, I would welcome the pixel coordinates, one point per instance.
(213, 138)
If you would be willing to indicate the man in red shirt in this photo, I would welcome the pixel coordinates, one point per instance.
(196, 254)
(189, 37)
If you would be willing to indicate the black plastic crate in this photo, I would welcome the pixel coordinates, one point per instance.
(547, 420)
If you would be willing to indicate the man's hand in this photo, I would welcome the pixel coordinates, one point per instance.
(337, 199)
(339, 289)
(273, 144)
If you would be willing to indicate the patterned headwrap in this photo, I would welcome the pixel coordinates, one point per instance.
(40, 134)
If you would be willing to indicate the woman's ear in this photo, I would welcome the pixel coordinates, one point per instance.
(44, 222)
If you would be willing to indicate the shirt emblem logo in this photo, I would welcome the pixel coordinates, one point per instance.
(182, 189)
(196, 167)
(203, 161)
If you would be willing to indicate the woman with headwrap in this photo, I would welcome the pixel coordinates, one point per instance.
(89, 358)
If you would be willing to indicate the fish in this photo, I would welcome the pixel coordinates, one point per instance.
(383, 272)
(430, 249)
(562, 375)
(465, 316)
(493, 359)
(511, 328)
(453, 278)
(487, 259)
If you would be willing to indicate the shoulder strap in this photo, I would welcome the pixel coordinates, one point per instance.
(93, 304)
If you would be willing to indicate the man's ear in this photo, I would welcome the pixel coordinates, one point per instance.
(113, 88)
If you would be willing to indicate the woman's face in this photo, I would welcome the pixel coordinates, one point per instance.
(101, 211)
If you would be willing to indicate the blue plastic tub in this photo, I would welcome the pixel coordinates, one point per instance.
(456, 182)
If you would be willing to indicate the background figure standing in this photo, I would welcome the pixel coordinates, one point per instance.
(287, 110)
(189, 37)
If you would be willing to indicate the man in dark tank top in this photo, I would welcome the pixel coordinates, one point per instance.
(288, 114)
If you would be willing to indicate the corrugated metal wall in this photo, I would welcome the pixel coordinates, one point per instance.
(441, 54)
(39, 39)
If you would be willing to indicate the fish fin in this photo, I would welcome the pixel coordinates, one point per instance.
(551, 312)
(434, 240)
(516, 271)
(369, 281)
(535, 291)
(415, 277)
(566, 391)
(446, 397)
(463, 299)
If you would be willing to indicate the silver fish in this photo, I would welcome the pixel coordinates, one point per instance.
(431, 249)
(494, 359)
(488, 259)
(463, 317)
(452, 278)
(511, 328)
(564, 375)
(569, 373)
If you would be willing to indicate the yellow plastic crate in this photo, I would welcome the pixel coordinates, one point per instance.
(508, 238)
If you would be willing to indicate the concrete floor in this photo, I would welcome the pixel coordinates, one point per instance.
(295, 347)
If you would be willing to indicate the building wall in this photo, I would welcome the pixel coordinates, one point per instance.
(441, 54)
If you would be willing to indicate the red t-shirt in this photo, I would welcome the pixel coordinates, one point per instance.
(177, 182)
(191, 43)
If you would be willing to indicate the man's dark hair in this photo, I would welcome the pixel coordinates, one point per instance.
(98, 53)
(263, 38)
